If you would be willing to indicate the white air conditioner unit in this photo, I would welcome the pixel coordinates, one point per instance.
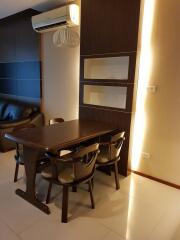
(49, 21)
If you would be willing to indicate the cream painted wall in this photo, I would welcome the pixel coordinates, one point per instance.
(161, 109)
(60, 87)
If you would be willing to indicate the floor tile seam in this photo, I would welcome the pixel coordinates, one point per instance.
(150, 204)
(152, 230)
(55, 221)
(10, 228)
(137, 198)
(121, 238)
(28, 227)
(158, 224)
(112, 230)
(105, 234)
(155, 224)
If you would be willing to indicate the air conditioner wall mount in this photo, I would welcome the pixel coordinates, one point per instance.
(61, 17)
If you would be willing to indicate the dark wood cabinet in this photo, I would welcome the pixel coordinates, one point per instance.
(109, 35)
(109, 26)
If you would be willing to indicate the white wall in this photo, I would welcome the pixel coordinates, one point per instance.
(157, 130)
(60, 86)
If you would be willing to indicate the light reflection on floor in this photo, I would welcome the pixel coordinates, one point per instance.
(141, 210)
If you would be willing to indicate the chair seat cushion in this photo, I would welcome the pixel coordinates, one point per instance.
(102, 159)
(65, 174)
(64, 152)
(47, 172)
(103, 156)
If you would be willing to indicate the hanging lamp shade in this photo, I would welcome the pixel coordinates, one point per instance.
(66, 37)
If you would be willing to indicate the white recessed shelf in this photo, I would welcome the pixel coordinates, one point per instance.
(107, 96)
(115, 68)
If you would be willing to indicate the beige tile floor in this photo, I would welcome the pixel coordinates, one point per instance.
(141, 210)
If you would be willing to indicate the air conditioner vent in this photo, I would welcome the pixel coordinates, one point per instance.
(52, 26)
(49, 21)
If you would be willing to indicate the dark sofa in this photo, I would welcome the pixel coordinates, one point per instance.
(13, 114)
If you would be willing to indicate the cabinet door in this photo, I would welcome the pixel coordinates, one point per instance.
(109, 26)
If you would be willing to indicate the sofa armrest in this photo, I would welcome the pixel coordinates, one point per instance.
(37, 119)
(12, 124)
(6, 127)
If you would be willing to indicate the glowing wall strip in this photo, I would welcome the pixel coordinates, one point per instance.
(145, 67)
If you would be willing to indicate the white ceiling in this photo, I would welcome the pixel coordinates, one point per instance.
(9, 7)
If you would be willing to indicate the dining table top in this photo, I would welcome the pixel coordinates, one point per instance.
(61, 135)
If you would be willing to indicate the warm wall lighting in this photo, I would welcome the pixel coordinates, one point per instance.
(145, 67)
(74, 13)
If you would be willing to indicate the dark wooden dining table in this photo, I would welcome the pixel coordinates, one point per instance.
(39, 140)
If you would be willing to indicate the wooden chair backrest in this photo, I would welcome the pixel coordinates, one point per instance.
(116, 145)
(55, 121)
(84, 161)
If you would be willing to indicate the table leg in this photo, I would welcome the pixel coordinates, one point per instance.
(31, 157)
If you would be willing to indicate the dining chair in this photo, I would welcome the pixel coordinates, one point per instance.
(110, 154)
(19, 156)
(71, 170)
(62, 152)
(55, 121)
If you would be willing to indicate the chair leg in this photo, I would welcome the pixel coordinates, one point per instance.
(92, 182)
(116, 175)
(49, 192)
(64, 217)
(16, 172)
(91, 194)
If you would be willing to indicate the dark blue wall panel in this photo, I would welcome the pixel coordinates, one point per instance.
(8, 86)
(7, 70)
(28, 88)
(28, 70)
(20, 66)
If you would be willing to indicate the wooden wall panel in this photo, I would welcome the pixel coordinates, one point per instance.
(109, 26)
(110, 29)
